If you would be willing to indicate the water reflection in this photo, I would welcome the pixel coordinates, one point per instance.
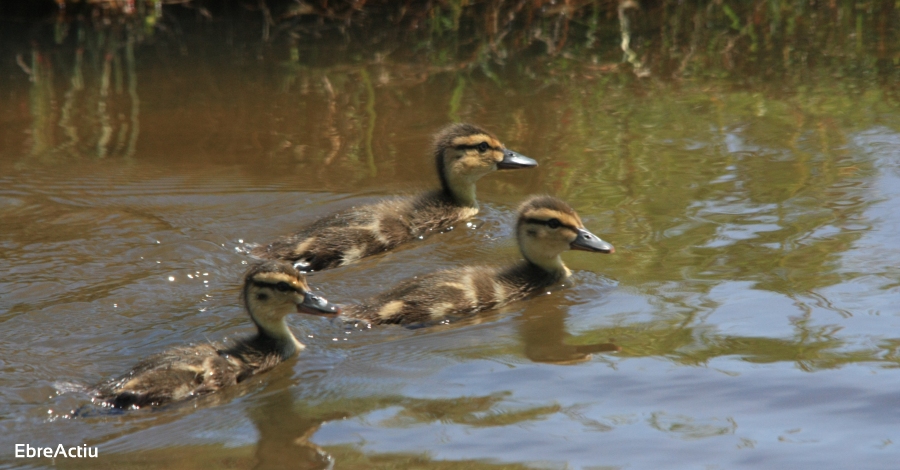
(98, 114)
(544, 334)
(284, 433)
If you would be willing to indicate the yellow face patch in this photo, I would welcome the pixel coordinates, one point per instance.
(472, 155)
(276, 277)
(547, 214)
(475, 139)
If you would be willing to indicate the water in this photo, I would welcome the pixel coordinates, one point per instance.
(746, 319)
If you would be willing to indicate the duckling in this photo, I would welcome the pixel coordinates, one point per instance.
(463, 153)
(271, 291)
(545, 228)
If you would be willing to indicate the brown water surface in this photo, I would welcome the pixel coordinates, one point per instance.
(753, 295)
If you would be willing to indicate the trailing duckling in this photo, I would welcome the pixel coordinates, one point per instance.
(545, 228)
(463, 153)
(271, 291)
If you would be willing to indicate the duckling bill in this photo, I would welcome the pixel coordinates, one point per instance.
(463, 153)
(545, 228)
(271, 291)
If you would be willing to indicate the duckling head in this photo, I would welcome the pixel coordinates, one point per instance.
(274, 289)
(547, 226)
(464, 153)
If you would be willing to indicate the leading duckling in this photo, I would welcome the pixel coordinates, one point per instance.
(271, 291)
(463, 153)
(545, 228)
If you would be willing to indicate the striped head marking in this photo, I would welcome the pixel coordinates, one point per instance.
(464, 153)
(274, 289)
(547, 226)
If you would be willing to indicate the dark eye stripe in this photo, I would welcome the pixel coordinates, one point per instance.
(547, 223)
(473, 147)
(272, 286)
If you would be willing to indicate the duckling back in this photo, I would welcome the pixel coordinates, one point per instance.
(170, 376)
(545, 228)
(272, 290)
(452, 294)
(463, 153)
(348, 236)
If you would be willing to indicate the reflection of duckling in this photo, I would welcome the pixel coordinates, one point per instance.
(546, 227)
(271, 291)
(463, 154)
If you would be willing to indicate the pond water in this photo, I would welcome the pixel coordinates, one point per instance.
(753, 296)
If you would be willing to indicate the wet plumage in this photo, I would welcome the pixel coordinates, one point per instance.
(271, 291)
(545, 228)
(463, 153)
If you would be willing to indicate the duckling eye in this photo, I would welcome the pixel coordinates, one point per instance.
(282, 286)
(482, 146)
(554, 223)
